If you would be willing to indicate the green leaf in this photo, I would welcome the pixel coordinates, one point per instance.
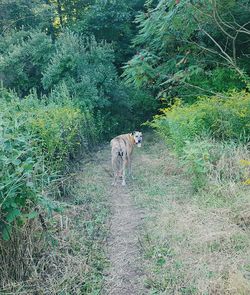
(6, 232)
(11, 216)
(31, 215)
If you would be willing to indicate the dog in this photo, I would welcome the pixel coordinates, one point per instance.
(121, 151)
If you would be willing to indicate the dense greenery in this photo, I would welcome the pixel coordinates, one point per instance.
(193, 55)
(187, 48)
(208, 132)
(219, 118)
(38, 139)
(74, 73)
(61, 92)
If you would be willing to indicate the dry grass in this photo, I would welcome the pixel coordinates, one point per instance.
(205, 249)
(194, 243)
(67, 258)
(56, 262)
(229, 165)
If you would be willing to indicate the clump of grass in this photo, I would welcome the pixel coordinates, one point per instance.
(217, 164)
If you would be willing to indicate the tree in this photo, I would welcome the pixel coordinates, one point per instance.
(24, 55)
(180, 42)
(25, 14)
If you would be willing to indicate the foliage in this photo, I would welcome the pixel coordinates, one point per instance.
(181, 42)
(207, 133)
(24, 14)
(110, 21)
(83, 69)
(21, 172)
(69, 52)
(221, 118)
(218, 164)
(23, 57)
(38, 139)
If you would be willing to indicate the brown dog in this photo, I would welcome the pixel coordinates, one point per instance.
(121, 151)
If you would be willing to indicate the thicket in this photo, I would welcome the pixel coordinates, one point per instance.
(62, 65)
(220, 118)
(191, 48)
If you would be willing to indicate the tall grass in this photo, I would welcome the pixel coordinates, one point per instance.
(210, 136)
(39, 140)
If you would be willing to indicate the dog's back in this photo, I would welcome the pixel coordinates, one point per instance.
(121, 145)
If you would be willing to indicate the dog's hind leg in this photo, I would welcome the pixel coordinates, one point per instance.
(124, 164)
(115, 169)
(119, 167)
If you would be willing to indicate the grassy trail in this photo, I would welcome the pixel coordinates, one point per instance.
(154, 236)
(158, 181)
(166, 239)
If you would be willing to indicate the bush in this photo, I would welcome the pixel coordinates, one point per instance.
(23, 57)
(38, 139)
(217, 163)
(220, 118)
(209, 136)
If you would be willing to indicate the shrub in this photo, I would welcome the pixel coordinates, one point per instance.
(209, 136)
(217, 163)
(24, 56)
(221, 118)
(21, 173)
(38, 138)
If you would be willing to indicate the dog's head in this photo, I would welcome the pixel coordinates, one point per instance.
(137, 138)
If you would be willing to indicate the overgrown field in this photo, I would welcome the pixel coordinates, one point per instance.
(211, 136)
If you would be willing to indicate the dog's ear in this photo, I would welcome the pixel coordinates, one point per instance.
(133, 133)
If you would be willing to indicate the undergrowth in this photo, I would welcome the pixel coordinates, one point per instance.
(48, 245)
(67, 256)
(211, 137)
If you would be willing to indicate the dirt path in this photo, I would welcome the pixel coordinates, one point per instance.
(125, 274)
(164, 238)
